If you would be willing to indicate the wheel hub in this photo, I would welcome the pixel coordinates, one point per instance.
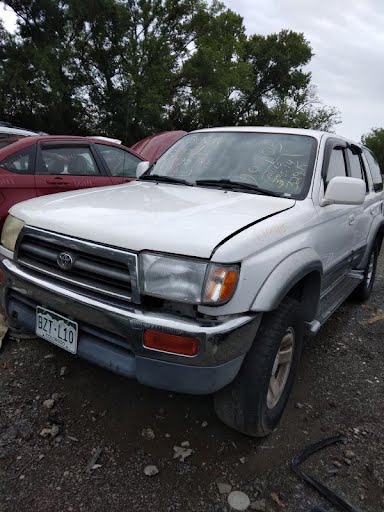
(371, 266)
(281, 368)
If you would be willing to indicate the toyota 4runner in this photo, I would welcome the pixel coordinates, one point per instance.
(205, 274)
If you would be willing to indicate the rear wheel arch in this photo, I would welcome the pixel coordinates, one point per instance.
(375, 238)
(379, 236)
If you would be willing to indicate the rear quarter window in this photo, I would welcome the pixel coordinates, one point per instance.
(20, 162)
(375, 170)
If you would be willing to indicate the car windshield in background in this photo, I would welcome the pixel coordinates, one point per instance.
(272, 162)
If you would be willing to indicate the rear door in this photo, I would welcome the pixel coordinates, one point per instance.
(120, 163)
(362, 215)
(64, 166)
(17, 181)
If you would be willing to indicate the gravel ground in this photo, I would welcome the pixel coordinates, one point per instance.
(86, 448)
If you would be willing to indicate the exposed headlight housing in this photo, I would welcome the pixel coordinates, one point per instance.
(188, 280)
(11, 230)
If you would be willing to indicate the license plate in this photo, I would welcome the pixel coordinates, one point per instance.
(57, 329)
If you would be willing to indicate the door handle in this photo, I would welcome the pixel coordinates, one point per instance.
(352, 219)
(57, 181)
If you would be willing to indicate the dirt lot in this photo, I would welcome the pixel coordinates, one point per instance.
(339, 390)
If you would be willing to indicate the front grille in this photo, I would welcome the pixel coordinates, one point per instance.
(94, 268)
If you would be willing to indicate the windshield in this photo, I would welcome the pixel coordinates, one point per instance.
(275, 162)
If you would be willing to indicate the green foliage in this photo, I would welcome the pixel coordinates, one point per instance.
(374, 140)
(128, 68)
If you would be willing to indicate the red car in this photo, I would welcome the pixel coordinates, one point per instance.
(34, 166)
(153, 146)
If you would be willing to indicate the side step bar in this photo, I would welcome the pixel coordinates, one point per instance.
(333, 299)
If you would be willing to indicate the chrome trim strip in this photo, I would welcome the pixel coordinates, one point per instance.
(138, 319)
(78, 284)
(6, 253)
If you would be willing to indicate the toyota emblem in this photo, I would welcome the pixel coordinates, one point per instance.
(65, 261)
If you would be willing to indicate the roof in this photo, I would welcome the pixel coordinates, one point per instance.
(16, 131)
(101, 137)
(317, 134)
(28, 141)
(153, 146)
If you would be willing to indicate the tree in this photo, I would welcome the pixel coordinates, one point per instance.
(232, 80)
(39, 76)
(128, 68)
(135, 75)
(303, 109)
(214, 73)
(374, 140)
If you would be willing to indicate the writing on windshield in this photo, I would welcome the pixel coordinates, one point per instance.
(272, 161)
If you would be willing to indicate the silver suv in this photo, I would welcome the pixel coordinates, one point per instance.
(205, 274)
(9, 134)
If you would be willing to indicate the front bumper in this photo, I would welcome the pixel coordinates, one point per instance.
(112, 336)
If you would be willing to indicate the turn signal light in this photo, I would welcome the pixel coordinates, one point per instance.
(221, 284)
(165, 342)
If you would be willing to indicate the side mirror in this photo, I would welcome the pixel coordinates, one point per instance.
(342, 190)
(141, 168)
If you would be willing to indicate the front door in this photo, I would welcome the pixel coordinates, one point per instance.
(17, 181)
(63, 166)
(120, 163)
(334, 237)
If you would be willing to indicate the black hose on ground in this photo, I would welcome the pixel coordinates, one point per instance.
(338, 501)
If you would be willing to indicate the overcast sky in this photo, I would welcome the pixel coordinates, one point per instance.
(347, 37)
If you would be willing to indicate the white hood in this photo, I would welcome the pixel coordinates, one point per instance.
(148, 216)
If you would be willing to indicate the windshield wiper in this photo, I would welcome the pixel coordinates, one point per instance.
(165, 179)
(231, 185)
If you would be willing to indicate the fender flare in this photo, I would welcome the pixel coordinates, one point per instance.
(378, 233)
(285, 276)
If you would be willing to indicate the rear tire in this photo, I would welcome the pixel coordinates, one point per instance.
(364, 290)
(255, 401)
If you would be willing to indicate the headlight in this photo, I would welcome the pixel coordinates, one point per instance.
(11, 231)
(184, 280)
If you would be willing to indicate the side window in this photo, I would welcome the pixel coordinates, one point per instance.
(336, 166)
(72, 160)
(20, 162)
(355, 164)
(375, 171)
(119, 161)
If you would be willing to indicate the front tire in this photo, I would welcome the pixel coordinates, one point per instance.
(255, 401)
